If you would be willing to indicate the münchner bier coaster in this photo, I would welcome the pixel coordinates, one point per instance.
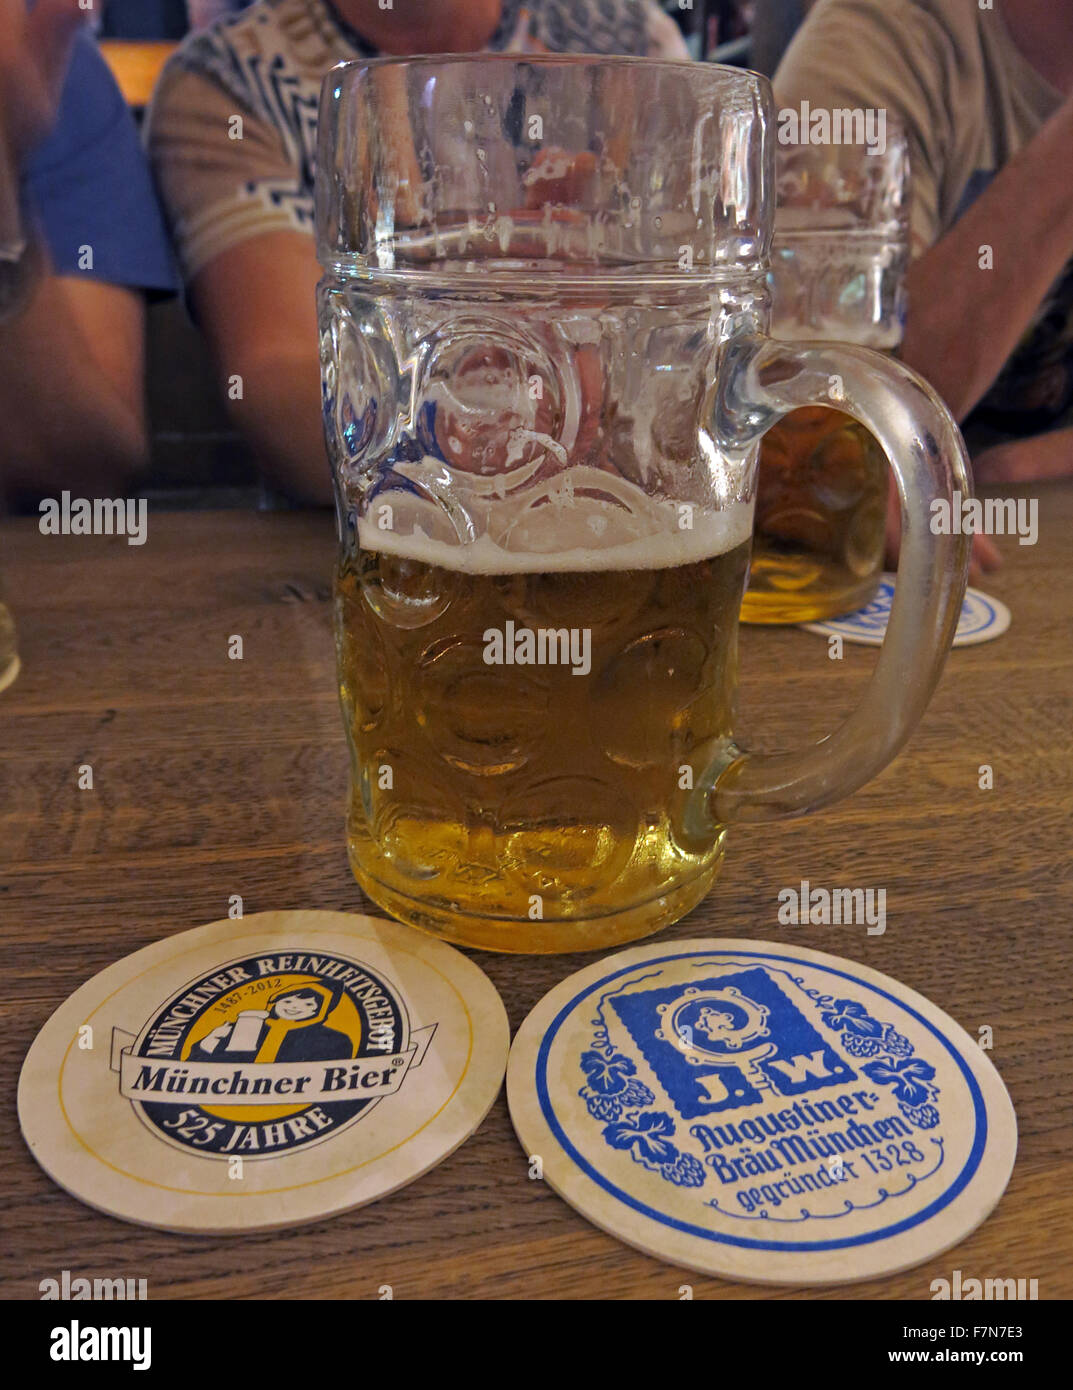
(263, 1072)
(761, 1112)
(982, 619)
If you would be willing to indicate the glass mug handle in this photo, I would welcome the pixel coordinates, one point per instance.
(758, 382)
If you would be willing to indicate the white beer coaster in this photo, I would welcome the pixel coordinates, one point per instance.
(363, 1052)
(761, 1112)
(982, 619)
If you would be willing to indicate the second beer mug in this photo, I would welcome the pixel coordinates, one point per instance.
(543, 320)
(838, 264)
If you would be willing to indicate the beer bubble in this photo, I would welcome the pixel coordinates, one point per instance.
(418, 826)
(585, 599)
(838, 467)
(480, 414)
(558, 852)
(480, 719)
(671, 665)
(362, 385)
(403, 592)
(364, 683)
(864, 537)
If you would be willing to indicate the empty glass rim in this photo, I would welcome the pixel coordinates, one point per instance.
(720, 72)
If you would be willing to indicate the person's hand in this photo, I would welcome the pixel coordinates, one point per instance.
(211, 1040)
(984, 556)
(35, 47)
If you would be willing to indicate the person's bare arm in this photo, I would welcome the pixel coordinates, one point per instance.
(72, 410)
(255, 304)
(963, 322)
(71, 349)
(1042, 457)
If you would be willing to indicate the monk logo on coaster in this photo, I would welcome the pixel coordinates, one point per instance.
(222, 1079)
(268, 1054)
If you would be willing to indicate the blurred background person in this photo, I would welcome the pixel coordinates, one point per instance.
(202, 13)
(140, 19)
(241, 209)
(987, 98)
(81, 238)
(773, 24)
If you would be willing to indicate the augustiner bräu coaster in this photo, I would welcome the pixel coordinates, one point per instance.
(982, 619)
(263, 1072)
(761, 1112)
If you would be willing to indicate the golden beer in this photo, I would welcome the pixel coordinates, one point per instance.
(820, 519)
(531, 795)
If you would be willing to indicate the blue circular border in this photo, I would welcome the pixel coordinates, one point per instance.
(990, 619)
(848, 626)
(966, 1175)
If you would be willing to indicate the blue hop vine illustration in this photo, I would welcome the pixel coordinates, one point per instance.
(896, 1043)
(923, 1116)
(906, 1078)
(909, 1077)
(847, 1013)
(613, 1093)
(613, 1087)
(646, 1138)
(861, 1034)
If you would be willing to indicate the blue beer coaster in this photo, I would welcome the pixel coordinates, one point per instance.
(761, 1112)
(263, 1072)
(982, 619)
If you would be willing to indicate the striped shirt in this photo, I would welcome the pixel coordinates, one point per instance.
(266, 65)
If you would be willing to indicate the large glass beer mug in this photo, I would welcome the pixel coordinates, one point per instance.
(838, 263)
(546, 372)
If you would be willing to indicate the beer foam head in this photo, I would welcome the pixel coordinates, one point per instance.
(583, 520)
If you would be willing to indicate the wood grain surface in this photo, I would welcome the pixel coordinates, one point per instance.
(215, 777)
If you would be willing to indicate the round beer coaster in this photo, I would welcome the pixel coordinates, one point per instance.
(263, 1072)
(761, 1112)
(982, 619)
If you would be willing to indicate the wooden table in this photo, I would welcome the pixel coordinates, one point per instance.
(215, 777)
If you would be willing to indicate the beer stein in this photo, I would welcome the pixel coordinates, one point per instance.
(838, 262)
(546, 371)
